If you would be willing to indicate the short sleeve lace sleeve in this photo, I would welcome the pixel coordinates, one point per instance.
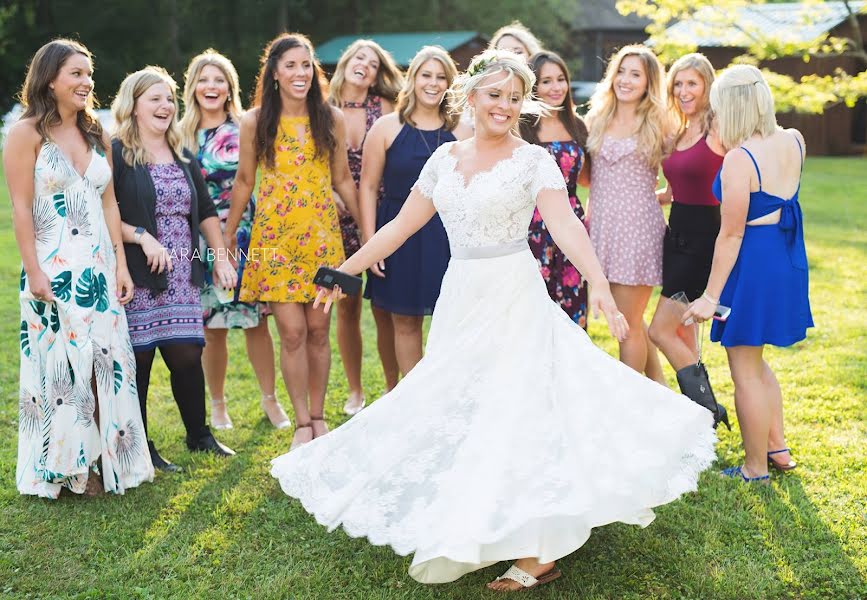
(427, 179)
(546, 175)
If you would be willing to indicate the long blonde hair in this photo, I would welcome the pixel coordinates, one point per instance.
(406, 98)
(743, 104)
(389, 79)
(520, 32)
(654, 126)
(189, 123)
(702, 66)
(132, 87)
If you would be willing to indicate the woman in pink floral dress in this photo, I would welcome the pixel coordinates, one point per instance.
(628, 124)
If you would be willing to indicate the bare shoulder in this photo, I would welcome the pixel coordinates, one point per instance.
(800, 137)
(23, 135)
(736, 162)
(338, 114)
(248, 119)
(387, 106)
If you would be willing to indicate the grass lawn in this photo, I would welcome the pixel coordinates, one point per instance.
(223, 529)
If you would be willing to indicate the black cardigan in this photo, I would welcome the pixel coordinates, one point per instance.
(136, 198)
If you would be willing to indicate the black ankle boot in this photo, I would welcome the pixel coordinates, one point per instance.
(160, 463)
(206, 442)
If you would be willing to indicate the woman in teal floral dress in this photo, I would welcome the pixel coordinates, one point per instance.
(79, 416)
(210, 128)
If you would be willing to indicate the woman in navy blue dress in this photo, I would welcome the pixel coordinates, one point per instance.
(760, 262)
(406, 285)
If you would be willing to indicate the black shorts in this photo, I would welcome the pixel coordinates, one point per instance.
(687, 250)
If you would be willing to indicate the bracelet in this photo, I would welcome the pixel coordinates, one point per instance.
(713, 301)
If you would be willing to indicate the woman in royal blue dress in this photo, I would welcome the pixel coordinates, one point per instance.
(564, 135)
(407, 283)
(760, 262)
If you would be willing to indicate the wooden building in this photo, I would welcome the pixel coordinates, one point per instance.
(462, 45)
(840, 129)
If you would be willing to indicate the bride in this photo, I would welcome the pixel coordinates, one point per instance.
(515, 435)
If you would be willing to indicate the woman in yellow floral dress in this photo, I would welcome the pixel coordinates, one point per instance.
(298, 141)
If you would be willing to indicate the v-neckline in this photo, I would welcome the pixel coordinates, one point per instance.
(465, 182)
(70, 163)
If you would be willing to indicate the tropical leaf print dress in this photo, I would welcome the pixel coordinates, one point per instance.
(296, 228)
(79, 337)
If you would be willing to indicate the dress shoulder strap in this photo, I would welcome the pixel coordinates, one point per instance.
(755, 164)
(800, 151)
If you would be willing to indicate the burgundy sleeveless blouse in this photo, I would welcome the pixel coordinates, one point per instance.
(690, 174)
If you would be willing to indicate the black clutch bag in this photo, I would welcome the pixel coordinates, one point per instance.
(694, 383)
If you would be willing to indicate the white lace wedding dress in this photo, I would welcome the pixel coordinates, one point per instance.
(515, 435)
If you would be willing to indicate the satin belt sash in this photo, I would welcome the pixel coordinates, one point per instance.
(473, 253)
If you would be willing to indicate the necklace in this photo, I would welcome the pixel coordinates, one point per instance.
(426, 145)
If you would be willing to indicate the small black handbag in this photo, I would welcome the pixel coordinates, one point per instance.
(695, 385)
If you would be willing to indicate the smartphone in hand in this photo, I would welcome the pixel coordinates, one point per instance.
(327, 278)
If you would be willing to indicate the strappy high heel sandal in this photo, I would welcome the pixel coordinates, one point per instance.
(738, 472)
(296, 440)
(781, 466)
(274, 411)
(219, 414)
(320, 429)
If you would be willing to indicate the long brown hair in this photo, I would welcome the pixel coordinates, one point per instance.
(39, 101)
(267, 99)
(571, 121)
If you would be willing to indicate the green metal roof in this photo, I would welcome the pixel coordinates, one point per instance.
(402, 46)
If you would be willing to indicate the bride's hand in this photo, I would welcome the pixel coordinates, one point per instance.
(333, 295)
(602, 300)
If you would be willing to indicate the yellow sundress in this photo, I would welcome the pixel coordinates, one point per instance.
(296, 228)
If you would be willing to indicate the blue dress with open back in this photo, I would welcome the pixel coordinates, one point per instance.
(767, 289)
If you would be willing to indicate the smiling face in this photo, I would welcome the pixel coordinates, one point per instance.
(689, 90)
(212, 89)
(552, 85)
(294, 72)
(362, 68)
(431, 82)
(497, 103)
(513, 44)
(74, 83)
(155, 109)
(630, 81)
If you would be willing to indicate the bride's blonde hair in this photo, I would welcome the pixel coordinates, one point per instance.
(654, 121)
(490, 62)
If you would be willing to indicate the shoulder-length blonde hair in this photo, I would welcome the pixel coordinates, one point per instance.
(702, 66)
(654, 122)
(743, 104)
(189, 124)
(520, 32)
(131, 89)
(406, 101)
(389, 79)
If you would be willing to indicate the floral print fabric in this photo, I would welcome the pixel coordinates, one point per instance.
(565, 285)
(295, 229)
(79, 337)
(218, 156)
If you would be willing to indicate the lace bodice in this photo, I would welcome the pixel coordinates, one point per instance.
(495, 206)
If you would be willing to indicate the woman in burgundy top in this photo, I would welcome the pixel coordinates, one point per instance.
(694, 220)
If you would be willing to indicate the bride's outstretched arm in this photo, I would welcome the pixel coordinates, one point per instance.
(571, 237)
(416, 211)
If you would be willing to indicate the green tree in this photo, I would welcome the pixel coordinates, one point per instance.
(809, 94)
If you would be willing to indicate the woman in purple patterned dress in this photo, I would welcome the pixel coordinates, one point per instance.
(365, 85)
(210, 129)
(164, 204)
(564, 135)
